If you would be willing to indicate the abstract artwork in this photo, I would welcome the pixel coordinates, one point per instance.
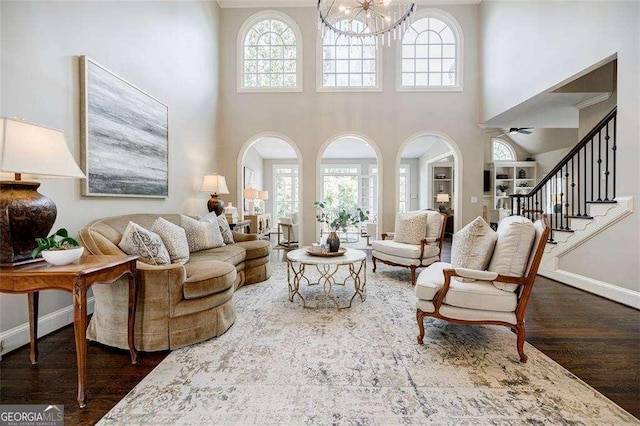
(125, 136)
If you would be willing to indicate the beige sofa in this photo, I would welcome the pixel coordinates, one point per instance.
(177, 304)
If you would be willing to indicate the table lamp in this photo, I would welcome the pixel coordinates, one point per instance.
(262, 196)
(27, 148)
(215, 184)
(250, 194)
(442, 198)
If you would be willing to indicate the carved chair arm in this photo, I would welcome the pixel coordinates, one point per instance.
(388, 234)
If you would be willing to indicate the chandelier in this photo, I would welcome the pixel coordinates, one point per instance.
(366, 18)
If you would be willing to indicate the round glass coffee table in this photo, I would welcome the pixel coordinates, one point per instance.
(327, 266)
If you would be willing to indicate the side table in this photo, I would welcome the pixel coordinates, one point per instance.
(75, 278)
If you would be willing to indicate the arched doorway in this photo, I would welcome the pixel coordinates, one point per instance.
(349, 172)
(269, 182)
(429, 166)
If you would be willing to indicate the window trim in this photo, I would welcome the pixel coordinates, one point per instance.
(319, 70)
(242, 34)
(514, 155)
(457, 32)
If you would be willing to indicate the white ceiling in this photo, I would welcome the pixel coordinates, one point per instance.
(313, 3)
(271, 148)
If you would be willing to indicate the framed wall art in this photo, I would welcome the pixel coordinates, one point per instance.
(124, 136)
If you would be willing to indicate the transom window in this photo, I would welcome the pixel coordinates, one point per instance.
(349, 62)
(430, 55)
(502, 151)
(270, 52)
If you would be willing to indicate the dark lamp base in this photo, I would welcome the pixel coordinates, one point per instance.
(26, 215)
(215, 204)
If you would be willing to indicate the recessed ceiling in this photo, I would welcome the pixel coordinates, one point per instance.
(313, 3)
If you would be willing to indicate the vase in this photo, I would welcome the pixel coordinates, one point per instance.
(333, 241)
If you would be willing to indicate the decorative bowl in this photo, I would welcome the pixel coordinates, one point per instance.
(62, 257)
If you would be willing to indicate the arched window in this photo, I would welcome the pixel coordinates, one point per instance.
(502, 151)
(269, 54)
(430, 54)
(349, 63)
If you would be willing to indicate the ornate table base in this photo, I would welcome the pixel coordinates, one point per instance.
(327, 267)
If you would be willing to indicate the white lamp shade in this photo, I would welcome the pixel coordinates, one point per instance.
(32, 149)
(263, 195)
(250, 193)
(442, 198)
(214, 184)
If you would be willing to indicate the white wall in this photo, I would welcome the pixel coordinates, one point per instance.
(529, 47)
(388, 118)
(168, 49)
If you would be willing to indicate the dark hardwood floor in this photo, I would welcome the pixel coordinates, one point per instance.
(594, 338)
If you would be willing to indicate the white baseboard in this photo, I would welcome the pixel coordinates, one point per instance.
(19, 336)
(617, 294)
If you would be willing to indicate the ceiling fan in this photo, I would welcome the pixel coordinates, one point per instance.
(522, 130)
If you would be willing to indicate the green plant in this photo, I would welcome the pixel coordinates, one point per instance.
(503, 188)
(341, 219)
(58, 241)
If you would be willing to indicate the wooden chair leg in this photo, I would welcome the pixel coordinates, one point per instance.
(373, 259)
(420, 318)
(413, 275)
(521, 334)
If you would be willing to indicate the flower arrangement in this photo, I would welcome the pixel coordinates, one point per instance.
(503, 188)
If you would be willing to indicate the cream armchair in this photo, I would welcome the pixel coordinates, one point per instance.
(288, 227)
(416, 241)
(491, 297)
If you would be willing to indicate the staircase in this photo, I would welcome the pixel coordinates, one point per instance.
(579, 198)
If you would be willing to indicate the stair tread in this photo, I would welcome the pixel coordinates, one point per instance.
(563, 230)
(579, 217)
(602, 202)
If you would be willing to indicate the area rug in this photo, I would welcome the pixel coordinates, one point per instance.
(283, 364)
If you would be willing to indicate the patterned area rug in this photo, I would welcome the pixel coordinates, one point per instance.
(283, 364)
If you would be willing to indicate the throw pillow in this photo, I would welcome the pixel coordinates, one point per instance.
(225, 230)
(511, 256)
(411, 227)
(434, 224)
(148, 245)
(201, 235)
(473, 246)
(174, 239)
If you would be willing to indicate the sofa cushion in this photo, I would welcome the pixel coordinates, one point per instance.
(233, 254)
(148, 245)
(511, 255)
(410, 227)
(207, 277)
(201, 235)
(473, 245)
(174, 239)
(256, 249)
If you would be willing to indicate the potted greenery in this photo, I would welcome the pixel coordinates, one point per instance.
(342, 220)
(59, 248)
(502, 190)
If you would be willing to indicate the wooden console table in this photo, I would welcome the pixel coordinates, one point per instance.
(75, 278)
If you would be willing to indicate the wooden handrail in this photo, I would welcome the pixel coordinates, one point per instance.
(598, 127)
